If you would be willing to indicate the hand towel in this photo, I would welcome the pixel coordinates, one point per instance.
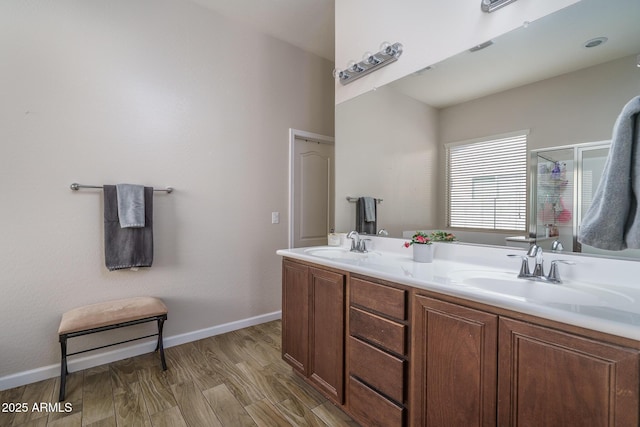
(369, 209)
(127, 247)
(130, 205)
(612, 221)
(362, 225)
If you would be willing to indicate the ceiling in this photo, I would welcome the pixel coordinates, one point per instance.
(307, 24)
(546, 48)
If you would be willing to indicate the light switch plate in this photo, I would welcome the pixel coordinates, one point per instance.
(275, 217)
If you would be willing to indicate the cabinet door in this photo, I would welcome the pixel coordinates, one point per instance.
(552, 378)
(295, 315)
(454, 361)
(326, 317)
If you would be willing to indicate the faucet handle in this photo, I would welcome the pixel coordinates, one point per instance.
(557, 246)
(554, 273)
(534, 250)
(524, 267)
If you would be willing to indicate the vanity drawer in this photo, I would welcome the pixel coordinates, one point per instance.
(377, 368)
(372, 409)
(378, 330)
(383, 299)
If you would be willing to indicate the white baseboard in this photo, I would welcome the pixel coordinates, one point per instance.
(78, 364)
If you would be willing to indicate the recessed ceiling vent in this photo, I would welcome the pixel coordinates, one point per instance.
(595, 42)
(491, 5)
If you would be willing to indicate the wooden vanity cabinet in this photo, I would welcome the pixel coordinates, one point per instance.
(548, 377)
(478, 368)
(411, 356)
(313, 304)
(377, 356)
(454, 364)
(295, 316)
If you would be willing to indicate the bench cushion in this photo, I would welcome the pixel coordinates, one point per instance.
(110, 313)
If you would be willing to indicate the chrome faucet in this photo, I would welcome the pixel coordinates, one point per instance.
(557, 246)
(357, 244)
(535, 251)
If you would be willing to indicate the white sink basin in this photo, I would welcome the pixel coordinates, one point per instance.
(340, 253)
(508, 285)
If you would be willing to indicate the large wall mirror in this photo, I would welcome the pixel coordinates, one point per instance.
(541, 78)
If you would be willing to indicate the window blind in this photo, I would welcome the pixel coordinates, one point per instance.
(487, 183)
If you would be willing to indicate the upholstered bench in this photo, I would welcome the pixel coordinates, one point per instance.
(105, 316)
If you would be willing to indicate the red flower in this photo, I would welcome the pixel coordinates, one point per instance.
(418, 238)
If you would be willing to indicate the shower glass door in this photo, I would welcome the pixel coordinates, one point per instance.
(555, 182)
(592, 160)
(564, 181)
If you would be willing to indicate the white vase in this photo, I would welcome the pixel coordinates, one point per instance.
(422, 253)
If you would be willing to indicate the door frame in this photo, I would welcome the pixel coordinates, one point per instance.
(309, 136)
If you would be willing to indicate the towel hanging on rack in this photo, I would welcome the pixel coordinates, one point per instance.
(127, 247)
(130, 205)
(366, 222)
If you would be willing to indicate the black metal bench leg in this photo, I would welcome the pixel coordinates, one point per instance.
(160, 346)
(63, 366)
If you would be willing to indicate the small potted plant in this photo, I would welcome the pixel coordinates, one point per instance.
(442, 236)
(422, 249)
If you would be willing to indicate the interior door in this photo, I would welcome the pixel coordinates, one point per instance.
(313, 192)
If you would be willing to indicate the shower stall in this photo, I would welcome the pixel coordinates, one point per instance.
(563, 181)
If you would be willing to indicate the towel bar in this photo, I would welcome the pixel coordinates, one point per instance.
(355, 199)
(75, 187)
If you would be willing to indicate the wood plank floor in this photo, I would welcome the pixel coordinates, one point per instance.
(235, 379)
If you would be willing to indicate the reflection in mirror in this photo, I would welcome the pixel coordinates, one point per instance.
(552, 195)
(541, 78)
(593, 160)
(563, 182)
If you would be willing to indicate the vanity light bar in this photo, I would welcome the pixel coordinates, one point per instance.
(370, 62)
(491, 5)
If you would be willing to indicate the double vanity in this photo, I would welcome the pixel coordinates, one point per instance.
(463, 340)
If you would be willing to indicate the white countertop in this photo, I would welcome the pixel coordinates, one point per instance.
(598, 294)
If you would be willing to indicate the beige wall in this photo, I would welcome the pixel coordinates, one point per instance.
(156, 92)
(572, 108)
(387, 149)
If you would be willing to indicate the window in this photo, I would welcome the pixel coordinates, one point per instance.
(487, 183)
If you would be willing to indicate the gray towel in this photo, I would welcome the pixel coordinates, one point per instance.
(612, 222)
(362, 225)
(127, 247)
(369, 209)
(130, 205)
